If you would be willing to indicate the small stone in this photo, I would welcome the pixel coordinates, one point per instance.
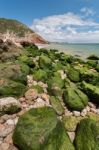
(31, 94)
(97, 111)
(45, 97)
(5, 130)
(88, 108)
(10, 122)
(91, 105)
(84, 112)
(4, 146)
(16, 120)
(1, 140)
(43, 85)
(8, 139)
(93, 110)
(22, 99)
(76, 113)
(9, 105)
(71, 135)
(34, 82)
(6, 117)
(39, 103)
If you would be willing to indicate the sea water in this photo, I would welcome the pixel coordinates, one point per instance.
(83, 50)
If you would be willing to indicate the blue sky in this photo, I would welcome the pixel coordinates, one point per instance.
(57, 20)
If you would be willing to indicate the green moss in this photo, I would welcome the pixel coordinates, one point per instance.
(40, 75)
(57, 105)
(39, 129)
(92, 91)
(87, 135)
(45, 62)
(70, 122)
(93, 116)
(38, 88)
(74, 98)
(11, 88)
(73, 75)
(55, 85)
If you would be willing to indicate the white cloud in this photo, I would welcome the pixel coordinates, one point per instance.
(68, 27)
(88, 11)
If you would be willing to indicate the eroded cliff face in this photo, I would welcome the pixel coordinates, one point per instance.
(17, 32)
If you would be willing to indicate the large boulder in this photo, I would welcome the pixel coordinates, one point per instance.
(39, 129)
(74, 98)
(9, 105)
(40, 75)
(73, 75)
(87, 135)
(13, 71)
(92, 91)
(11, 88)
(55, 85)
(45, 61)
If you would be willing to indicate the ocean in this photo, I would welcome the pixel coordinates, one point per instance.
(83, 50)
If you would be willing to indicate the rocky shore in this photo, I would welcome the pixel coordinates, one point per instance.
(48, 100)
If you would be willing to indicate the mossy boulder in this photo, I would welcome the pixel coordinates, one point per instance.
(74, 98)
(91, 90)
(27, 60)
(14, 71)
(45, 62)
(55, 85)
(70, 122)
(40, 75)
(93, 116)
(93, 57)
(9, 105)
(57, 105)
(39, 129)
(88, 74)
(73, 74)
(11, 88)
(87, 135)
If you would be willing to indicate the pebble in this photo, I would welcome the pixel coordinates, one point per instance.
(76, 113)
(5, 130)
(10, 122)
(31, 94)
(4, 146)
(87, 108)
(84, 112)
(91, 105)
(93, 110)
(71, 135)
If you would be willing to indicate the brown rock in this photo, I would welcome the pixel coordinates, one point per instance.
(31, 94)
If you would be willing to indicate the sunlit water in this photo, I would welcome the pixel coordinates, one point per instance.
(83, 50)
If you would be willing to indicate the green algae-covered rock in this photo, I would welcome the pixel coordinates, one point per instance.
(11, 88)
(70, 122)
(92, 91)
(87, 135)
(93, 116)
(93, 57)
(73, 75)
(39, 129)
(75, 98)
(56, 104)
(27, 60)
(14, 71)
(40, 75)
(44, 61)
(55, 85)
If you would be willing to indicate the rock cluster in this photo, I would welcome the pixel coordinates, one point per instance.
(49, 94)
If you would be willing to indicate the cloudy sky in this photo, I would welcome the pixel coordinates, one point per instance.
(57, 20)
